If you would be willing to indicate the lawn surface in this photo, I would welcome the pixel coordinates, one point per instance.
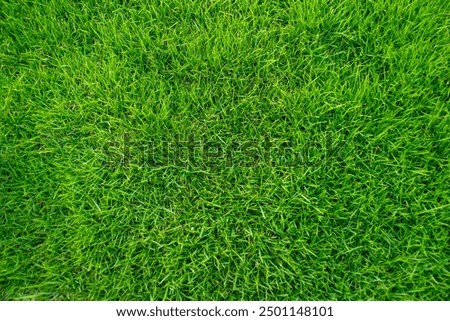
(85, 214)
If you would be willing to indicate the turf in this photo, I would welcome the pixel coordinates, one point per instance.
(87, 214)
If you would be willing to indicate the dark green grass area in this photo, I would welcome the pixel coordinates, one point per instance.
(77, 76)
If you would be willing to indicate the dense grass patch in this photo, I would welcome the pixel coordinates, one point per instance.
(372, 76)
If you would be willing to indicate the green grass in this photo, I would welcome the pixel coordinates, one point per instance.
(375, 75)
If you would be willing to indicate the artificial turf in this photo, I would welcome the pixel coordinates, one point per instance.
(369, 222)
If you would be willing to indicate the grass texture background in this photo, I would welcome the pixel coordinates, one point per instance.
(75, 75)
